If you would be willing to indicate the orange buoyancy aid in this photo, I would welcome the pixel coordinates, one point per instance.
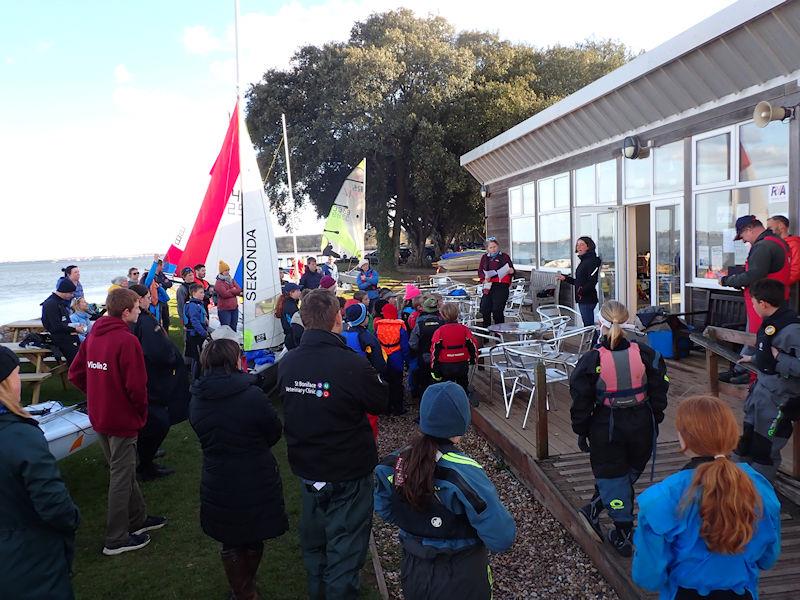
(452, 343)
(388, 333)
(622, 380)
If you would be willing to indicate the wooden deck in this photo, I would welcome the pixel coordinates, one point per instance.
(563, 482)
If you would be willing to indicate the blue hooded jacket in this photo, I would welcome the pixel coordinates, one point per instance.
(467, 491)
(670, 552)
(370, 284)
(195, 318)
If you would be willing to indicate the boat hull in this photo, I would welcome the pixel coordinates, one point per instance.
(66, 430)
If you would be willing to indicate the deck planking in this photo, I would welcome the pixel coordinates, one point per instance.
(564, 481)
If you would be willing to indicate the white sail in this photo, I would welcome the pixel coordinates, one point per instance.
(345, 225)
(260, 280)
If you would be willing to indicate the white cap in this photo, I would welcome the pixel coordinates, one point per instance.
(363, 262)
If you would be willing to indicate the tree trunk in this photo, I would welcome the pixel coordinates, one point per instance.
(401, 195)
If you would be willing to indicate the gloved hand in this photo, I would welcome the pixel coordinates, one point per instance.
(583, 443)
(722, 280)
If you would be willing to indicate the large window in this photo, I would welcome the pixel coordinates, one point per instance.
(556, 241)
(659, 174)
(522, 211)
(752, 181)
(596, 184)
(555, 238)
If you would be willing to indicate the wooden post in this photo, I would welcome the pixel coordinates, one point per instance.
(712, 367)
(542, 448)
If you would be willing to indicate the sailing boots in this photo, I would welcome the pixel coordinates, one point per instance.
(621, 539)
(589, 516)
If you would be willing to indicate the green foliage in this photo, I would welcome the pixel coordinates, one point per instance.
(411, 95)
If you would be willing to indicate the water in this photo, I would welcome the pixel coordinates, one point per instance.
(25, 285)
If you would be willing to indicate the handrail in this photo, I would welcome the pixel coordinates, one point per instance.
(710, 340)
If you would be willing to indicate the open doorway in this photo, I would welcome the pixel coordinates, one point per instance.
(642, 241)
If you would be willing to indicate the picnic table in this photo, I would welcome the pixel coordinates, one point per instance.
(38, 357)
(17, 326)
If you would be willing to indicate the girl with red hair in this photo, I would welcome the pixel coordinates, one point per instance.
(707, 530)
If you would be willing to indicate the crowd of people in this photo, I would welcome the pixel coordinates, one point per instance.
(705, 531)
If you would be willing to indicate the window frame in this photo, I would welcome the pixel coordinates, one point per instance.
(732, 184)
(568, 175)
(651, 196)
(524, 215)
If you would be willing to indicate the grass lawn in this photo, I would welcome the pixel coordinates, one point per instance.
(180, 562)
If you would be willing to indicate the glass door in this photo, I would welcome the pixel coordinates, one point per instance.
(602, 225)
(665, 264)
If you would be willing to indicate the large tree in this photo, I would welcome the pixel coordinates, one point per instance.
(411, 95)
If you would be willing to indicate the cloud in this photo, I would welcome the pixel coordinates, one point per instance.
(44, 46)
(9, 60)
(121, 74)
(199, 40)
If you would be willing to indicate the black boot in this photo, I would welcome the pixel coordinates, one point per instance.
(238, 571)
(590, 516)
(621, 539)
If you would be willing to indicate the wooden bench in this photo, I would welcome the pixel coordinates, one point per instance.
(18, 326)
(712, 340)
(36, 380)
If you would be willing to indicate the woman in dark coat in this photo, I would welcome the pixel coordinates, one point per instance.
(241, 495)
(37, 516)
(585, 280)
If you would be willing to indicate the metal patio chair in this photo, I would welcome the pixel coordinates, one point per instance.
(521, 365)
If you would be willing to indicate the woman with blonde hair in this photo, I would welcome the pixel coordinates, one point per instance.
(619, 394)
(707, 530)
(37, 516)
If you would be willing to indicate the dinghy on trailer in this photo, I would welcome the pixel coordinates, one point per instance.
(67, 429)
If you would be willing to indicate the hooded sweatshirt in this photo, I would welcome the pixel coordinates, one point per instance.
(110, 370)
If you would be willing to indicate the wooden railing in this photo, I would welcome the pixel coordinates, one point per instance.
(713, 340)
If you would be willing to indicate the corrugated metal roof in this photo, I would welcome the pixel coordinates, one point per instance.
(749, 46)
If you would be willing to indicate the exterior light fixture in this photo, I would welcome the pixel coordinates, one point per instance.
(485, 191)
(633, 149)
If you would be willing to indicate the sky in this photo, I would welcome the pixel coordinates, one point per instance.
(112, 112)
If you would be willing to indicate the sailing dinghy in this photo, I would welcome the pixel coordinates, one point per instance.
(233, 225)
(346, 222)
(66, 428)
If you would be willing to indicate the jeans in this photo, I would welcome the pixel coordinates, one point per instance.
(229, 318)
(587, 312)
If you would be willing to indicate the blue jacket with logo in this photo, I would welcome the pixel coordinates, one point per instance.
(670, 552)
(463, 489)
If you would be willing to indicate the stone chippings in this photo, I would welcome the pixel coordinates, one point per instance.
(544, 563)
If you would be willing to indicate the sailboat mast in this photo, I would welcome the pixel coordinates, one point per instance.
(239, 110)
(291, 195)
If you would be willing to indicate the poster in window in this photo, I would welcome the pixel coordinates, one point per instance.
(716, 258)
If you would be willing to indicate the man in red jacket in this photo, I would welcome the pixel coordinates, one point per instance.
(110, 370)
(780, 227)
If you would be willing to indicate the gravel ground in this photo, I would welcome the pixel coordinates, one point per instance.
(545, 562)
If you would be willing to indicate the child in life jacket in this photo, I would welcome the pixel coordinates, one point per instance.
(774, 399)
(421, 340)
(393, 338)
(361, 340)
(446, 507)
(619, 394)
(453, 349)
(707, 530)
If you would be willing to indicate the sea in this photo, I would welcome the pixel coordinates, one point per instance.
(25, 285)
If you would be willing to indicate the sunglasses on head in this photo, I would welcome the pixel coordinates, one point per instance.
(491, 239)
